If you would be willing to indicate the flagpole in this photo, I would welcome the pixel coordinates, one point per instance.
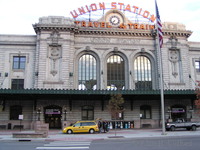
(158, 45)
(161, 89)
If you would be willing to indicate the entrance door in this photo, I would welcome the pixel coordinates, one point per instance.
(53, 116)
(178, 111)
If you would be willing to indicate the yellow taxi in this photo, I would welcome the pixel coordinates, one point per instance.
(82, 126)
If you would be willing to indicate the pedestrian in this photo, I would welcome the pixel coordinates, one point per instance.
(105, 126)
(100, 126)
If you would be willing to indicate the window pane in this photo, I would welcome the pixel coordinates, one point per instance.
(148, 114)
(84, 114)
(87, 72)
(115, 73)
(197, 66)
(145, 110)
(15, 62)
(142, 113)
(90, 114)
(142, 71)
(87, 113)
(77, 125)
(19, 62)
(17, 84)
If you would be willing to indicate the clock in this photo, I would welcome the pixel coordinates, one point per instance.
(114, 20)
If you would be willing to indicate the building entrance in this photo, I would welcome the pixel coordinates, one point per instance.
(53, 115)
(178, 111)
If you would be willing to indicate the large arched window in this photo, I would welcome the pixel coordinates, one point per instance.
(143, 71)
(115, 73)
(87, 72)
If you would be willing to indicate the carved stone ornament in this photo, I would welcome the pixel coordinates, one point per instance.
(55, 52)
(87, 48)
(54, 72)
(174, 58)
(115, 49)
(173, 41)
(54, 37)
(54, 55)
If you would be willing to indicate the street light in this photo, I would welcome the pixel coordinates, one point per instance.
(191, 111)
(170, 112)
(65, 113)
(39, 112)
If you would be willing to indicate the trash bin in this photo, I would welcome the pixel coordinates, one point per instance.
(9, 126)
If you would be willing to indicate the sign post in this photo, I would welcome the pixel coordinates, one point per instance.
(21, 117)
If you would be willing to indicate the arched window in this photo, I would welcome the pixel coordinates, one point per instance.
(115, 73)
(87, 72)
(143, 71)
(87, 113)
(15, 111)
(145, 112)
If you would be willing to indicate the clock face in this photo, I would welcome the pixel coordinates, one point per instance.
(114, 20)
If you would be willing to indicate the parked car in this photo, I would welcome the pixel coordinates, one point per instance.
(82, 126)
(181, 123)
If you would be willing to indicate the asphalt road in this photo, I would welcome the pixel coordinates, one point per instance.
(165, 143)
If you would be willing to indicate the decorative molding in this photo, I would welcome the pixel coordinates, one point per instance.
(116, 32)
(128, 41)
(102, 48)
(54, 55)
(176, 83)
(53, 82)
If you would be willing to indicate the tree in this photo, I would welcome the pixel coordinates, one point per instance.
(197, 101)
(115, 106)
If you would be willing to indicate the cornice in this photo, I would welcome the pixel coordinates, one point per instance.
(20, 43)
(108, 31)
(178, 33)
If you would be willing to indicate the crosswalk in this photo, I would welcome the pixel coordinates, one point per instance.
(66, 145)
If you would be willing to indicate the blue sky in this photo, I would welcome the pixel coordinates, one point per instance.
(17, 16)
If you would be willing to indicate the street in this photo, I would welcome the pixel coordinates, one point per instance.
(165, 143)
(150, 143)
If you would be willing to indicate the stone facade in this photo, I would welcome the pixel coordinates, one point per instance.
(52, 57)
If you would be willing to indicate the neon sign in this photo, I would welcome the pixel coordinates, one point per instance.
(114, 5)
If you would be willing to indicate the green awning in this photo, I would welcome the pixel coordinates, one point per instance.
(93, 92)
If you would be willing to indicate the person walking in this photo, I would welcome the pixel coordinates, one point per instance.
(105, 126)
(100, 126)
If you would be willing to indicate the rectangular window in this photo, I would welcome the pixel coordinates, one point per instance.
(197, 66)
(19, 62)
(15, 111)
(17, 84)
(145, 112)
(87, 113)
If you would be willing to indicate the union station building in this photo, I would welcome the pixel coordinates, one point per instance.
(70, 68)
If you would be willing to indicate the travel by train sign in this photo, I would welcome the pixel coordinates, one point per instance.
(114, 5)
(108, 25)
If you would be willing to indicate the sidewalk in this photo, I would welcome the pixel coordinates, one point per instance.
(57, 135)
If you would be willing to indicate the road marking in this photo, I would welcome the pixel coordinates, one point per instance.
(62, 148)
(56, 144)
(67, 145)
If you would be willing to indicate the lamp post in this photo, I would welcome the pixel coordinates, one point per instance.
(170, 113)
(191, 111)
(65, 113)
(39, 112)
